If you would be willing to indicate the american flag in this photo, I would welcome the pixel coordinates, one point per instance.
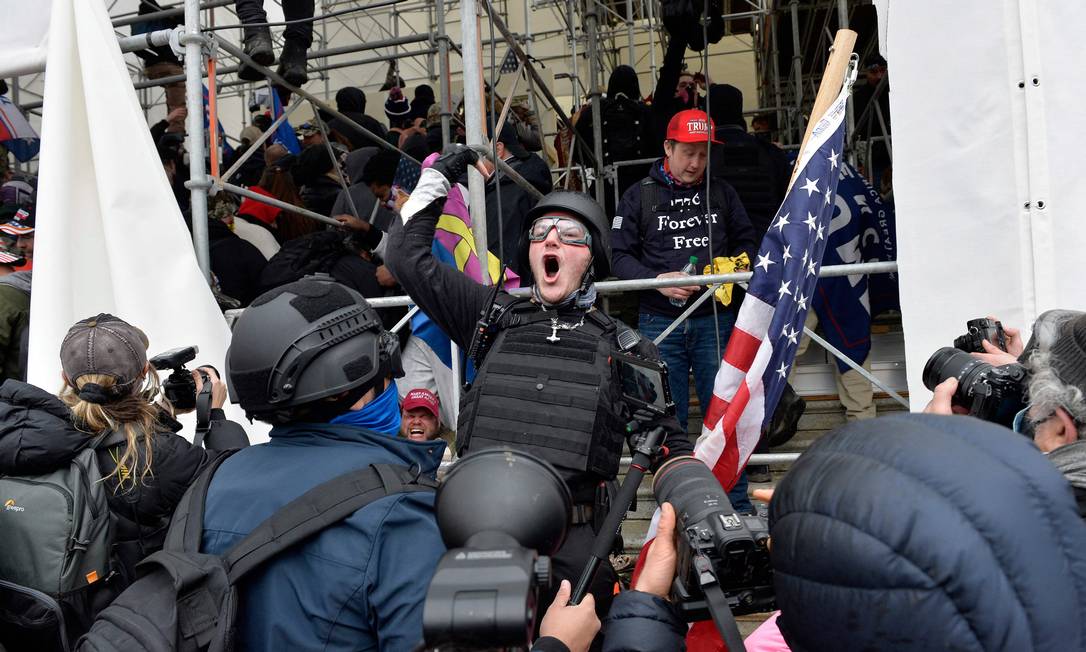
(509, 63)
(767, 332)
(769, 327)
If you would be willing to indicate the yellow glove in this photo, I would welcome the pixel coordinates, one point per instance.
(727, 265)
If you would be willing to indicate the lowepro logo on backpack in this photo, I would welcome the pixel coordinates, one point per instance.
(10, 506)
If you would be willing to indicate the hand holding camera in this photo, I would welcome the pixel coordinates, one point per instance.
(218, 386)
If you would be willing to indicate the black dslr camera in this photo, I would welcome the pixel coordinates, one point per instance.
(723, 555)
(180, 387)
(501, 514)
(978, 330)
(990, 393)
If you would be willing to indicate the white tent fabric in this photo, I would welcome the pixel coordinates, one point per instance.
(109, 234)
(26, 32)
(988, 130)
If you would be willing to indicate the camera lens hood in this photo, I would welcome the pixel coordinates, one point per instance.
(507, 491)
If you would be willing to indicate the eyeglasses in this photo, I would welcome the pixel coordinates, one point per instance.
(569, 231)
(1026, 425)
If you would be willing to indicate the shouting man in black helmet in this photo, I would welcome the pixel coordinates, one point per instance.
(545, 382)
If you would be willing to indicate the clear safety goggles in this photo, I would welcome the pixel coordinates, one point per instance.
(570, 231)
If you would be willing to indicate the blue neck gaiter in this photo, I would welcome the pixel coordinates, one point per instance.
(382, 414)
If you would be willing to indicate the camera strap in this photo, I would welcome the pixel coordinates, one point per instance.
(203, 411)
(718, 605)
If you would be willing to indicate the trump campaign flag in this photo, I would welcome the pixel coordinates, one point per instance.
(767, 331)
(454, 245)
(16, 134)
(284, 133)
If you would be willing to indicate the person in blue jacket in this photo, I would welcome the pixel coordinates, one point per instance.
(311, 359)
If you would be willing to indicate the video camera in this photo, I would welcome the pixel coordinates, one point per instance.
(990, 393)
(501, 514)
(179, 387)
(720, 551)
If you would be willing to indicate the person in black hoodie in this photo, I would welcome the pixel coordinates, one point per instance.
(507, 204)
(756, 168)
(626, 123)
(109, 392)
(351, 102)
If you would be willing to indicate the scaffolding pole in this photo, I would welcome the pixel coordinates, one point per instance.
(198, 183)
(473, 122)
(590, 24)
(443, 70)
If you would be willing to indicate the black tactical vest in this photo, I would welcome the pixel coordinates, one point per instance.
(549, 393)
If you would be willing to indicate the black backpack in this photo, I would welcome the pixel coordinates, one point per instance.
(57, 537)
(622, 121)
(186, 600)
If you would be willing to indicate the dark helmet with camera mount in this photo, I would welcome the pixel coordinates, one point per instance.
(307, 341)
(584, 208)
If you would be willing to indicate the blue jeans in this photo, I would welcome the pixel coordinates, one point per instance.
(692, 348)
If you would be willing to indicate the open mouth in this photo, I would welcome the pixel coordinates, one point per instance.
(551, 266)
(416, 434)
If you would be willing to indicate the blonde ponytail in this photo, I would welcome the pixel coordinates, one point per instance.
(133, 414)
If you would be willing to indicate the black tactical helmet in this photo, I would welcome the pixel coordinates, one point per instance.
(583, 207)
(306, 341)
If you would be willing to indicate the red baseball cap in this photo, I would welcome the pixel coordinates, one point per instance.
(422, 398)
(266, 213)
(691, 126)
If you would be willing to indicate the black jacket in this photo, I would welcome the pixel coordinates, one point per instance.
(236, 263)
(924, 532)
(515, 204)
(643, 622)
(37, 435)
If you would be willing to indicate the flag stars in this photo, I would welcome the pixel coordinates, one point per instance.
(811, 222)
(802, 301)
(783, 371)
(827, 196)
(810, 186)
(787, 254)
(833, 158)
(784, 289)
(811, 271)
(782, 221)
(792, 335)
(764, 262)
(806, 252)
(818, 236)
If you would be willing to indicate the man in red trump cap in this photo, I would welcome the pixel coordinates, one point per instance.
(667, 221)
(420, 418)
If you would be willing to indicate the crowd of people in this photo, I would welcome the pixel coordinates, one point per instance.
(856, 566)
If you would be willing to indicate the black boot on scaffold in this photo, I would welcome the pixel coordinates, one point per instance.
(292, 63)
(258, 45)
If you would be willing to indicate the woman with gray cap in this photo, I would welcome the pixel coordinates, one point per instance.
(107, 398)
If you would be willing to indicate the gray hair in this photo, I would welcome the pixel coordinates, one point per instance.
(1046, 391)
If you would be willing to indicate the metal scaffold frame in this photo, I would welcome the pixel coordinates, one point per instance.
(415, 35)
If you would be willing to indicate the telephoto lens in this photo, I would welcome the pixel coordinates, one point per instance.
(949, 362)
(702, 507)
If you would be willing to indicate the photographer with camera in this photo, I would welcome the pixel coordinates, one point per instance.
(201, 390)
(1054, 415)
(545, 383)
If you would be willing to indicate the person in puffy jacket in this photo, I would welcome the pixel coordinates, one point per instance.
(109, 389)
(881, 542)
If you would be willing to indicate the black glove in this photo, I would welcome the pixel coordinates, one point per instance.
(455, 161)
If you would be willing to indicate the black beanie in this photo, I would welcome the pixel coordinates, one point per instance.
(726, 105)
